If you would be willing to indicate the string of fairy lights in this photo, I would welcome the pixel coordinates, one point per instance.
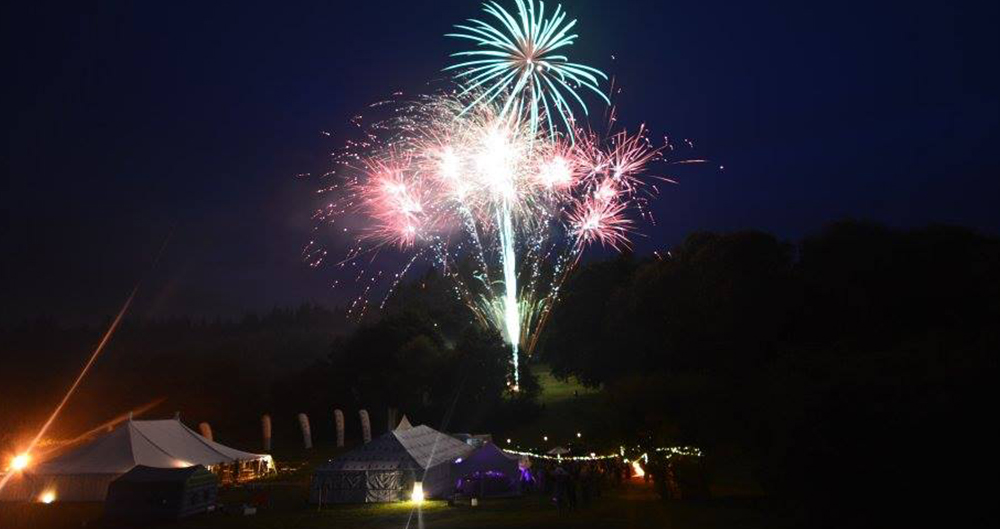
(667, 451)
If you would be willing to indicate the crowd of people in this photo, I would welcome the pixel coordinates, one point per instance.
(575, 484)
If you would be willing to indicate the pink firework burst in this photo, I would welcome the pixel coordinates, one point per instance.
(503, 209)
(598, 219)
(398, 203)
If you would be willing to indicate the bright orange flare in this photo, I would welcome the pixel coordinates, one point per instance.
(24, 458)
(20, 462)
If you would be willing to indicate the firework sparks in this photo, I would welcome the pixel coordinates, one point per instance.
(598, 219)
(481, 176)
(519, 60)
(437, 181)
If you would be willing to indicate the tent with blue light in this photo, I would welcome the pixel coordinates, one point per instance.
(387, 468)
(487, 472)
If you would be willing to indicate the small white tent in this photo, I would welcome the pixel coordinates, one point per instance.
(386, 468)
(84, 473)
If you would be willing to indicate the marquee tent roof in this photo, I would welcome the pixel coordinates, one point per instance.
(486, 458)
(416, 447)
(161, 444)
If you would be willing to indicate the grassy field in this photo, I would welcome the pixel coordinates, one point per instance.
(557, 392)
(633, 507)
(568, 407)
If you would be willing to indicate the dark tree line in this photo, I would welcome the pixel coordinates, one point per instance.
(455, 382)
(424, 356)
(856, 365)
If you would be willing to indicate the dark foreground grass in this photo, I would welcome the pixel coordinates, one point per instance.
(633, 507)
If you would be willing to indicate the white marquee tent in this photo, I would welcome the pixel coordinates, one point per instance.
(386, 468)
(83, 473)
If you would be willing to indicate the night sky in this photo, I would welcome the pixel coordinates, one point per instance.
(127, 122)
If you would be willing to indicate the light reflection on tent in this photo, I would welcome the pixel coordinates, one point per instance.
(387, 468)
(84, 473)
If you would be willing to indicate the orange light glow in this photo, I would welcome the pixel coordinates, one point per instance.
(47, 497)
(20, 462)
(637, 470)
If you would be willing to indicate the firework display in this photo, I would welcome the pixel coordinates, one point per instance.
(479, 181)
(521, 61)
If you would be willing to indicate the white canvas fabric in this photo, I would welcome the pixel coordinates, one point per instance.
(404, 424)
(385, 468)
(418, 447)
(429, 447)
(159, 444)
(83, 473)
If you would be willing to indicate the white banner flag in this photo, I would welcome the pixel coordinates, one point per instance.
(306, 433)
(366, 426)
(265, 426)
(338, 417)
(392, 419)
(206, 431)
